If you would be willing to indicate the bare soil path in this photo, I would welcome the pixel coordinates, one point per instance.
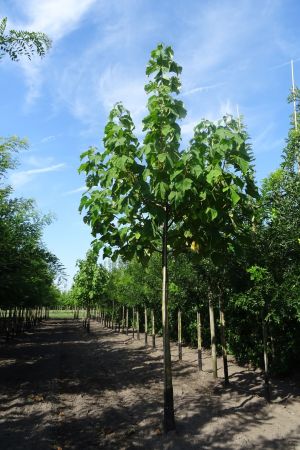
(61, 388)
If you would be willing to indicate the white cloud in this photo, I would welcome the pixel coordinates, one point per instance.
(227, 107)
(94, 97)
(56, 18)
(187, 129)
(47, 139)
(39, 162)
(201, 89)
(76, 191)
(18, 179)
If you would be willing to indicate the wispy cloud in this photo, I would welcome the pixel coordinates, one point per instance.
(227, 107)
(47, 139)
(75, 191)
(56, 18)
(18, 179)
(202, 89)
(286, 63)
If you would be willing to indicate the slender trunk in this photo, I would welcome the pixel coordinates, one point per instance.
(127, 320)
(212, 336)
(153, 328)
(267, 389)
(146, 327)
(179, 337)
(123, 318)
(138, 324)
(113, 316)
(133, 324)
(169, 419)
(199, 341)
(223, 343)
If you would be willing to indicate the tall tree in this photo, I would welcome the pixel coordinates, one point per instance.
(154, 197)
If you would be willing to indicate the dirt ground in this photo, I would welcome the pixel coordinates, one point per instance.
(61, 388)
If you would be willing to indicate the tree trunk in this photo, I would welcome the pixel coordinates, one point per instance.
(138, 324)
(212, 336)
(123, 318)
(127, 321)
(199, 341)
(169, 419)
(113, 316)
(267, 389)
(153, 328)
(133, 322)
(146, 327)
(223, 343)
(179, 337)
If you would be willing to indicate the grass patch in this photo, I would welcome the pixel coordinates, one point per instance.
(63, 314)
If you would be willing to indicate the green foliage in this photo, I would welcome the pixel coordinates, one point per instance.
(16, 43)
(9, 146)
(27, 268)
(245, 247)
(204, 193)
(89, 286)
(28, 271)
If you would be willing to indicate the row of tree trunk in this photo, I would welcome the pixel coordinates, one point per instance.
(109, 320)
(132, 315)
(17, 320)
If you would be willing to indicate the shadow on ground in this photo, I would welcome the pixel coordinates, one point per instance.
(60, 387)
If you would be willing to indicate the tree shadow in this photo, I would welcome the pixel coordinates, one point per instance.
(99, 391)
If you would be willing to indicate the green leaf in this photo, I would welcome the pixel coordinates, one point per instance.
(166, 130)
(146, 174)
(162, 157)
(235, 198)
(213, 175)
(211, 213)
(244, 165)
(163, 189)
(172, 195)
(197, 170)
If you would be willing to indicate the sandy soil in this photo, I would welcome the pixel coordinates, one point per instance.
(61, 388)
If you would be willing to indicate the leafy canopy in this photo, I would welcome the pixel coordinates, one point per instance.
(203, 193)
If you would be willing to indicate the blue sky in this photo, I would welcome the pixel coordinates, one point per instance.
(232, 53)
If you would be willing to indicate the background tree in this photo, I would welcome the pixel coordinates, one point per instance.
(89, 286)
(28, 271)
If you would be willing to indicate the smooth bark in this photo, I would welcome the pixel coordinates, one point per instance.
(212, 336)
(267, 389)
(153, 329)
(146, 327)
(169, 419)
(199, 341)
(179, 337)
(223, 342)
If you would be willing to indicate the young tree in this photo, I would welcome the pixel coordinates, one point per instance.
(89, 282)
(154, 197)
(16, 43)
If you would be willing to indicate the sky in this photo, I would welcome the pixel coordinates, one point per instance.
(232, 53)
